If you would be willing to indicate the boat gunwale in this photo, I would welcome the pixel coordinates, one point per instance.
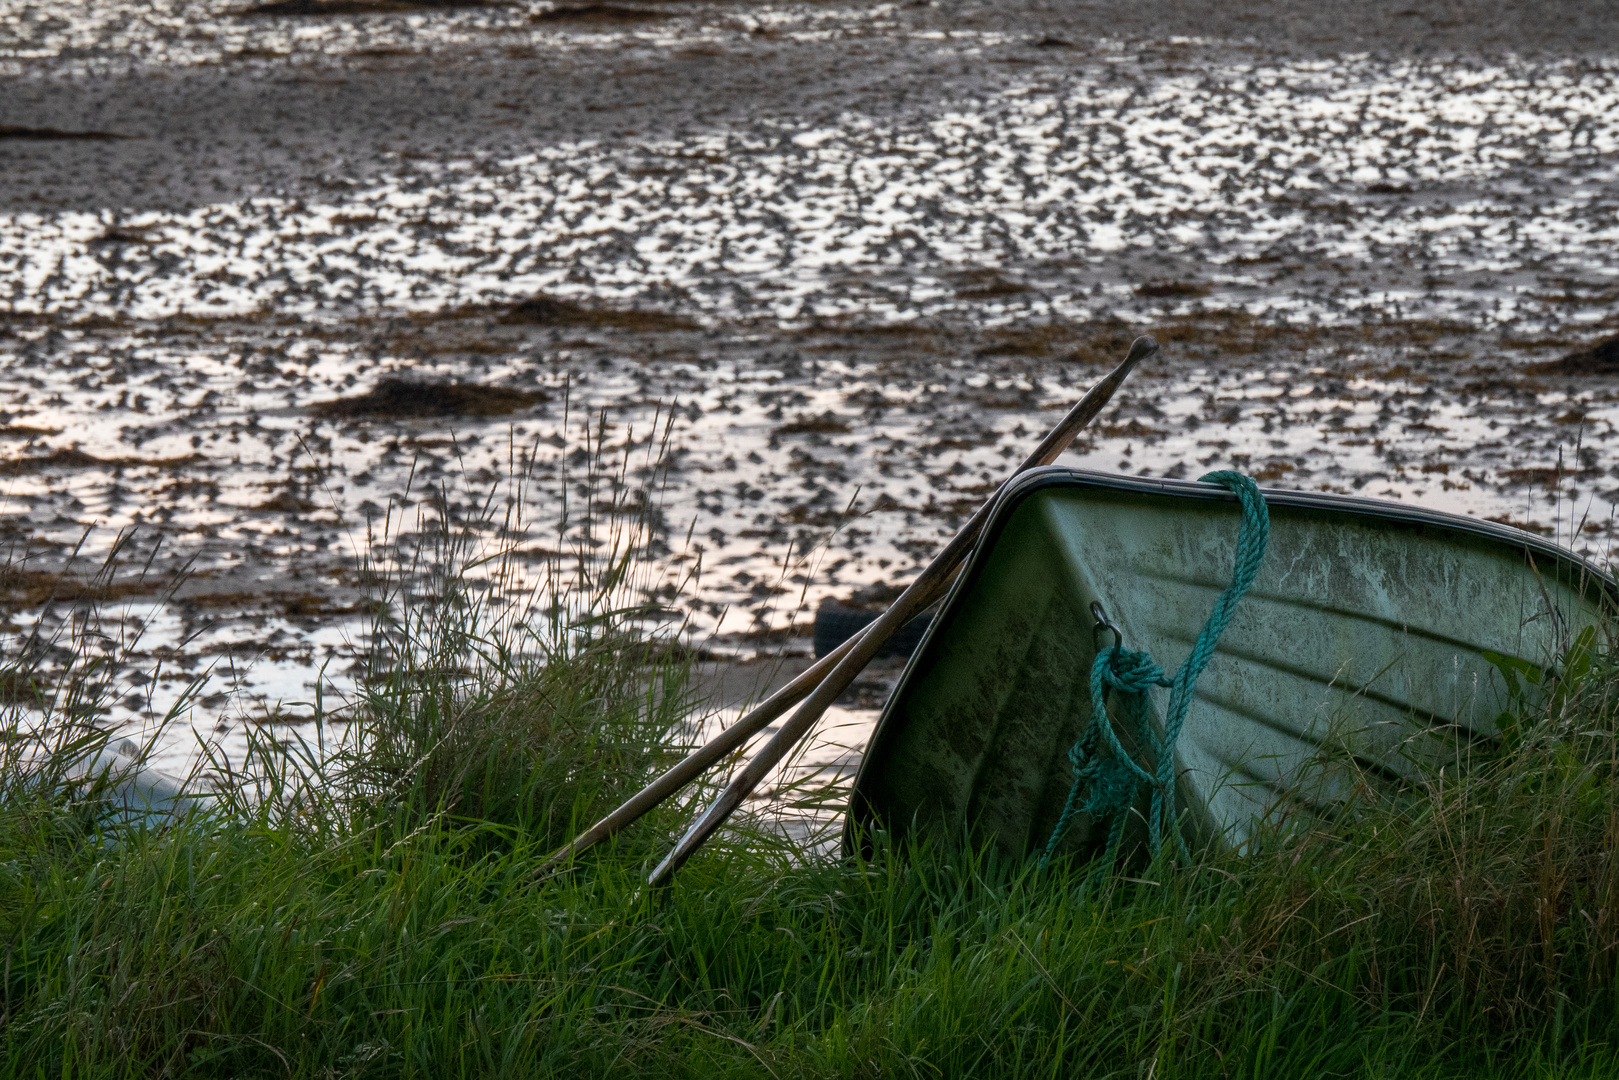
(1020, 487)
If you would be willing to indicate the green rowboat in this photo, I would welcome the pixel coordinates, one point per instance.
(1377, 639)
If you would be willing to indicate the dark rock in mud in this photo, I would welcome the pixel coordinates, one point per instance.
(1600, 359)
(399, 399)
(545, 310)
(835, 624)
(357, 7)
(50, 134)
(596, 13)
(838, 620)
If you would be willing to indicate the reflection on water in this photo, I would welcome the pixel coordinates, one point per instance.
(1418, 173)
(861, 323)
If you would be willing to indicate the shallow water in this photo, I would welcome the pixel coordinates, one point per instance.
(876, 292)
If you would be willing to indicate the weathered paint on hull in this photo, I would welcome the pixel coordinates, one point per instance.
(1358, 653)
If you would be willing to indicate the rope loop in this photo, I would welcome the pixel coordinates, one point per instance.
(1104, 771)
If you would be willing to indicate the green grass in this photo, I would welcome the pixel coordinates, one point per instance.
(1471, 936)
(375, 910)
(393, 929)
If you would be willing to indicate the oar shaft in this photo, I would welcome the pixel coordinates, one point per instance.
(852, 662)
(709, 754)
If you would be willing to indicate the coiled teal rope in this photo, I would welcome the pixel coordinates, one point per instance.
(1110, 779)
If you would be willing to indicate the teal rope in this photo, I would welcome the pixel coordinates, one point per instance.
(1110, 779)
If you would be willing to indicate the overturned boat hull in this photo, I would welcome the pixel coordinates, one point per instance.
(1371, 645)
(136, 794)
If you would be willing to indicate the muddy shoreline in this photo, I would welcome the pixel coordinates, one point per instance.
(215, 107)
(823, 272)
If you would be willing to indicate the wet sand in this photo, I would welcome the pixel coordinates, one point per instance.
(854, 257)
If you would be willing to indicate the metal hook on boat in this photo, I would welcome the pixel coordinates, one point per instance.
(1104, 625)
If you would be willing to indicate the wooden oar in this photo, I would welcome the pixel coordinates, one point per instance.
(921, 592)
(735, 736)
(711, 752)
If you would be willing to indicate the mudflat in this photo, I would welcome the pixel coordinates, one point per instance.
(268, 277)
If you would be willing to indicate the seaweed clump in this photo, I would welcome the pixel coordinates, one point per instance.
(401, 399)
(356, 7)
(596, 13)
(74, 458)
(543, 310)
(1600, 359)
(50, 134)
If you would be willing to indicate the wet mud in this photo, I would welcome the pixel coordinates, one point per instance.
(828, 270)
